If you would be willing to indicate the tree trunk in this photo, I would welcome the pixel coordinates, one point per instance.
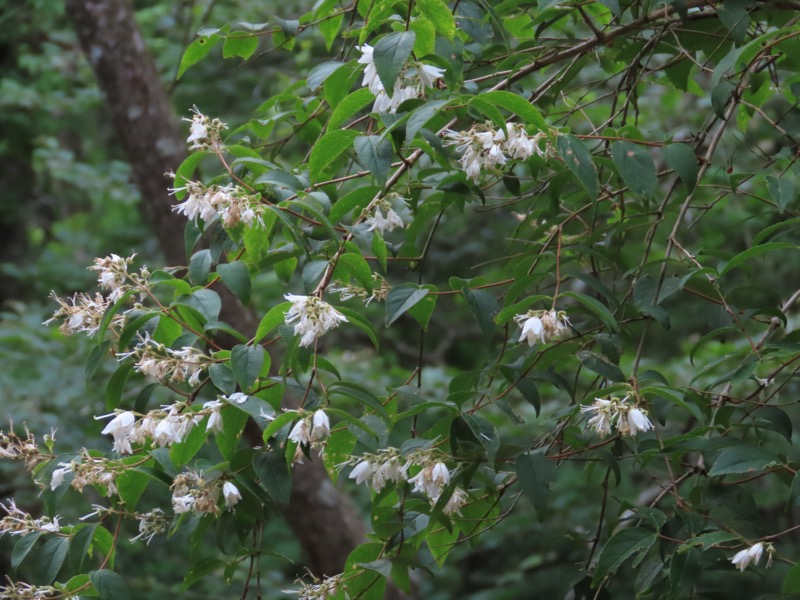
(324, 520)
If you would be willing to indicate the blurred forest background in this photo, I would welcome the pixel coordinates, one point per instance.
(66, 197)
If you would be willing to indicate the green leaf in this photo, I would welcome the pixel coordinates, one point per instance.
(791, 581)
(348, 107)
(794, 492)
(321, 72)
(420, 116)
(274, 317)
(601, 365)
(536, 474)
(519, 106)
(742, 459)
(426, 36)
(402, 298)
(705, 541)
(375, 153)
(636, 167)
(782, 191)
(622, 545)
(80, 547)
(243, 46)
(357, 319)
(390, 55)
(109, 585)
(116, 384)
(246, 363)
(222, 377)
(236, 278)
(49, 560)
(22, 548)
(182, 453)
(484, 307)
(131, 485)
(720, 96)
(199, 569)
(357, 267)
(594, 306)
(274, 476)
(329, 28)
(95, 357)
(364, 584)
(440, 15)
(206, 302)
(579, 162)
(327, 149)
(196, 51)
(277, 424)
(755, 251)
(682, 159)
(355, 200)
(199, 267)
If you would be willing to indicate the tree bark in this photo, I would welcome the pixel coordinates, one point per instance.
(323, 519)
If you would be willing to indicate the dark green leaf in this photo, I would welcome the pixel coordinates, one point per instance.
(484, 307)
(782, 191)
(109, 585)
(49, 560)
(196, 51)
(80, 547)
(274, 317)
(348, 107)
(390, 55)
(682, 159)
(536, 474)
(274, 476)
(222, 377)
(742, 459)
(519, 106)
(579, 161)
(402, 298)
(243, 46)
(622, 545)
(375, 155)
(327, 149)
(22, 548)
(236, 278)
(636, 167)
(199, 569)
(246, 363)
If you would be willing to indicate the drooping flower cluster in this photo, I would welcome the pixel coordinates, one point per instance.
(626, 417)
(151, 524)
(18, 522)
(483, 148)
(319, 589)
(743, 558)
(230, 202)
(312, 317)
(395, 209)
(390, 466)
(26, 450)
(410, 83)
(204, 132)
(18, 590)
(541, 325)
(113, 275)
(89, 470)
(84, 313)
(192, 493)
(166, 364)
(346, 291)
(310, 431)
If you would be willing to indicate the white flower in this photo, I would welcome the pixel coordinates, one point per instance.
(378, 223)
(532, 331)
(638, 421)
(120, 427)
(321, 426)
(237, 398)
(312, 317)
(750, 555)
(456, 501)
(428, 74)
(431, 480)
(601, 421)
(215, 418)
(371, 79)
(300, 433)
(198, 132)
(362, 472)
(231, 494)
(183, 504)
(58, 476)
(541, 326)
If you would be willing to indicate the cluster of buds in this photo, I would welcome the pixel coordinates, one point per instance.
(166, 364)
(113, 275)
(626, 417)
(89, 470)
(14, 447)
(230, 202)
(347, 291)
(204, 133)
(192, 493)
(151, 524)
(84, 313)
(483, 148)
(18, 522)
(410, 83)
(542, 325)
(17, 590)
(319, 589)
(743, 558)
(389, 466)
(312, 317)
(165, 426)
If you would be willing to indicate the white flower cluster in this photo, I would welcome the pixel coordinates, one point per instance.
(165, 426)
(151, 524)
(113, 275)
(319, 589)
(411, 83)
(743, 558)
(84, 313)
(89, 470)
(394, 207)
(18, 590)
(230, 202)
(312, 317)
(389, 466)
(310, 431)
(204, 133)
(166, 364)
(192, 493)
(347, 291)
(18, 522)
(542, 325)
(628, 418)
(483, 148)
(26, 450)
